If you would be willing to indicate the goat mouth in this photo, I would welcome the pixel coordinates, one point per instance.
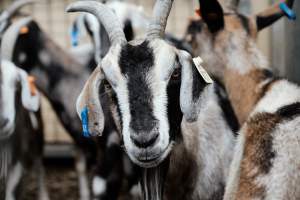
(152, 160)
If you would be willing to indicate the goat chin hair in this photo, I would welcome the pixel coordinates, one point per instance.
(153, 180)
(5, 157)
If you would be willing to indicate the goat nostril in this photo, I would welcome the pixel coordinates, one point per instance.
(144, 141)
(96, 124)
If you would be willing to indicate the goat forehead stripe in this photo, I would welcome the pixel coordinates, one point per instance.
(136, 62)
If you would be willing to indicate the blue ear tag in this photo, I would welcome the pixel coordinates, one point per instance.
(74, 36)
(289, 13)
(85, 122)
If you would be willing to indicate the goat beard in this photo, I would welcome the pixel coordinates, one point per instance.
(153, 181)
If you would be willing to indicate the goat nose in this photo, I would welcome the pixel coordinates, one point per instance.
(144, 140)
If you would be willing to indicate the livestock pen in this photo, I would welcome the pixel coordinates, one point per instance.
(60, 153)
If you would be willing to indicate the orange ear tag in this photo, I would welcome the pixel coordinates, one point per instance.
(198, 12)
(24, 30)
(32, 86)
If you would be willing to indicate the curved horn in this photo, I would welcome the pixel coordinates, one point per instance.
(105, 15)
(159, 19)
(11, 10)
(232, 4)
(10, 38)
(94, 27)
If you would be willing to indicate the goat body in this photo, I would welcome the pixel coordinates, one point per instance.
(200, 160)
(267, 107)
(22, 148)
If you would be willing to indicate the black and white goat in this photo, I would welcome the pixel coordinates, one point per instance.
(169, 117)
(21, 138)
(57, 77)
(21, 127)
(266, 161)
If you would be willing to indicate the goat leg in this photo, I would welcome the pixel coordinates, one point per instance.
(42, 188)
(81, 166)
(13, 181)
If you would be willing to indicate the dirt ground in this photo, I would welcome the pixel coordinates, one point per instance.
(61, 180)
(61, 183)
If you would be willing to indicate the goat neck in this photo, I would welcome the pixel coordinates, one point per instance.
(226, 42)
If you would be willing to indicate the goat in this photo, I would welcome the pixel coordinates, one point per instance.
(128, 14)
(266, 160)
(59, 77)
(21, 143)
(49, 63)
(170, 119)
(21, 126)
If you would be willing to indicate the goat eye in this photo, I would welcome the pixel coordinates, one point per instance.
(107, 87)
(176, 73)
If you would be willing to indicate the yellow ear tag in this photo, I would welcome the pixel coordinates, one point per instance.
(24, 30)
(32, 86)
(198, 61)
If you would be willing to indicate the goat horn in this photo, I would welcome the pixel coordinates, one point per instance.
(271, 15)
(11, 10)
(10, 38)
(105, 16)
(159, 19)
(232, 4)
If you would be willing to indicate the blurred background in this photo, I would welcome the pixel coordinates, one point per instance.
(278, 43)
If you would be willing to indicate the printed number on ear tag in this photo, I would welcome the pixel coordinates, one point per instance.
(289, 13)
(85, 122)
(198, 61)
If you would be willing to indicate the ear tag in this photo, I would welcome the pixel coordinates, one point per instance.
(24, 30)
(85, 122)
(198, 61)
(198, 12)
(289, 13)
(74, 36)
(32, 86)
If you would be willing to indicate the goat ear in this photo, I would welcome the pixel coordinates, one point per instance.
(192, 86)
(89, 106)
(29, 95)
(212, 14)
(274, 13)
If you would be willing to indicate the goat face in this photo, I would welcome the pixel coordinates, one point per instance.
(140, 74)
(225, 37)
(140, 80)
(14, 81)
